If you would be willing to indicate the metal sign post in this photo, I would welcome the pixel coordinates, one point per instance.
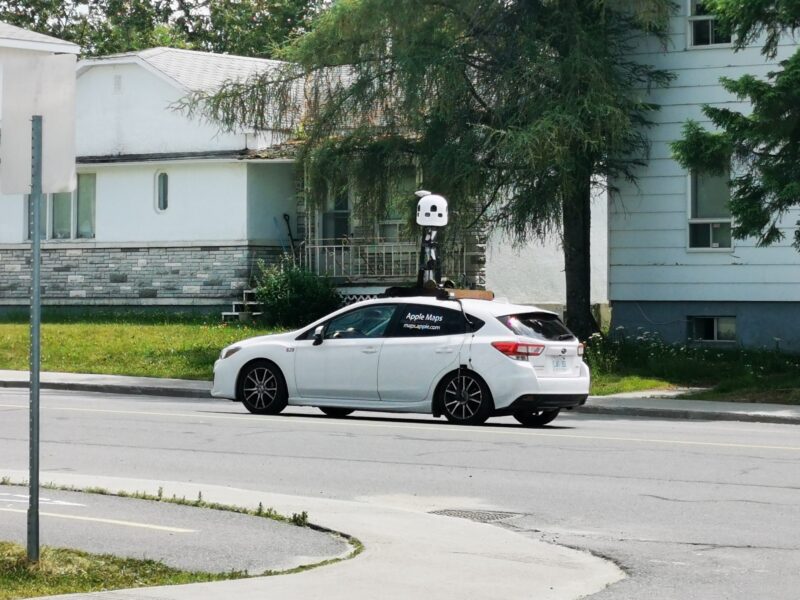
(35, 342)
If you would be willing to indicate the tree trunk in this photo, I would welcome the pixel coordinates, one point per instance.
(577, 218)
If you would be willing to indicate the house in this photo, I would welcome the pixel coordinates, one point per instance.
(674, 268)
(15, 275)
(534, 272)
(168, 211)
(171, 212)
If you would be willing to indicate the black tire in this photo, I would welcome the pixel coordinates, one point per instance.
(465, 399)
(336, 412)
(262, 388)
(536, 418)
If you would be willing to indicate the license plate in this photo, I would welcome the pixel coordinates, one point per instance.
(559, 363)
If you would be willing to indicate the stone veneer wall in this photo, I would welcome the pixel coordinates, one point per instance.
(167, 275)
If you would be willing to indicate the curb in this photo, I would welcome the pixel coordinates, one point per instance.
(110, 388)
(687, 415)
(627, 411)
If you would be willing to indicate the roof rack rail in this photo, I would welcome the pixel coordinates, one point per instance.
(438, 292)
(407, 292)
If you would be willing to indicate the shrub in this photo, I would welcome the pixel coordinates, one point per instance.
(293, 296)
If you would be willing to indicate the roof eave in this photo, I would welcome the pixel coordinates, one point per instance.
(88, 63)
(55, 47)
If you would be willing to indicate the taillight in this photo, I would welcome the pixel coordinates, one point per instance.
(581, 348)
(517, 350)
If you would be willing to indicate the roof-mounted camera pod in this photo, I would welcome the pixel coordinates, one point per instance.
(431, 209)
(432, 215)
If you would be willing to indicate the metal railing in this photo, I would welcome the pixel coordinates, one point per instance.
(356, 260)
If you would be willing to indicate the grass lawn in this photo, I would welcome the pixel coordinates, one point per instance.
(181, 350)
(62, 571)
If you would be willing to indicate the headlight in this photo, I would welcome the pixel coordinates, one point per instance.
(230, 351)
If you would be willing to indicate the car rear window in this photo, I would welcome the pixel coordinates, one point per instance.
(543, 326)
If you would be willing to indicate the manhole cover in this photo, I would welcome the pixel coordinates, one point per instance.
(481, 516)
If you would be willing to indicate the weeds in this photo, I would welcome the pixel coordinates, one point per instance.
(728, 370)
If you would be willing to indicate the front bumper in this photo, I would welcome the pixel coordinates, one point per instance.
(225, 374)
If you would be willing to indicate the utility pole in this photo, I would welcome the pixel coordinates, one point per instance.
(35, 342)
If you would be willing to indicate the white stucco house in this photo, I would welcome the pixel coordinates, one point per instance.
(168, 211)
(171, 212)
(674, 268)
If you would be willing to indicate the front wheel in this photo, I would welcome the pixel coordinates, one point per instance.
(536, 418)
(262, 388)
(465, 399)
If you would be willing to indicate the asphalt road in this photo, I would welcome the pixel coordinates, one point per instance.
(696, 509)
(220, 541)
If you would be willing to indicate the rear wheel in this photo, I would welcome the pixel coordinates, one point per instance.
(465, 398)
(536, 418)
(262, 388)
(336, 412)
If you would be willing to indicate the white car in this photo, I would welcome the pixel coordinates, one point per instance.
(467, 360)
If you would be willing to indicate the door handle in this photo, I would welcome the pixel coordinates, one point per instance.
(444, 350)
(370, 350)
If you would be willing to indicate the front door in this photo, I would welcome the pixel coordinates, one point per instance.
(425, 343)
(345, 365)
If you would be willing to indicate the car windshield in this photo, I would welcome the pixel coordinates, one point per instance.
(544, 326)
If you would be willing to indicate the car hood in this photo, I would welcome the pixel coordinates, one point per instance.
(262, 339)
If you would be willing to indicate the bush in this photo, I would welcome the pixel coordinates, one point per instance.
(293, 296)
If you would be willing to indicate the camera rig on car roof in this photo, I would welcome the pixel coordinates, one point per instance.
(432, 216)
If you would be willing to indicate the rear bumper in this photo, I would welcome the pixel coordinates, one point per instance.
(532, 402)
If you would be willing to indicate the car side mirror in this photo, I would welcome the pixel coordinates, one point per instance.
(318, 335)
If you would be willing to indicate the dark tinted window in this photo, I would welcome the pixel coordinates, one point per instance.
(417, 320)
(541, 326)
(367, 322)
(474, 323)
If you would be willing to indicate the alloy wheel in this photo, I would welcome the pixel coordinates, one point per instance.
(260, 388)
(463, 397)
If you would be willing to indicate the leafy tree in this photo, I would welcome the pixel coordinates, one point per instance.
(250, 28)
(244, 27)
(511, 108)
(98, 26)
(762, 148)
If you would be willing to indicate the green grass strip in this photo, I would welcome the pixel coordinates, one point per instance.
(66, 571)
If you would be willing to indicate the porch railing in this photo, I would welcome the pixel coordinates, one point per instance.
(355, 260)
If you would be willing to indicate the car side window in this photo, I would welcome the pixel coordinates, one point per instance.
(366, 322)
(419, 320)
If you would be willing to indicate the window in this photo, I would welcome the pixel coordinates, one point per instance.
(539, 326)
(710, 213)
(368, 322)
(417, 320)
(336, 218)
(712, 329)
(704, 30)
(86, 199)
(62, 216)
(68, 215)
(162, 191)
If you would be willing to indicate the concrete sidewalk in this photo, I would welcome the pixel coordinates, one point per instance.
(408, 554)
(655, 404)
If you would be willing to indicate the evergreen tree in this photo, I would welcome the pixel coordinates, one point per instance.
(510, 108)
(760, 148)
